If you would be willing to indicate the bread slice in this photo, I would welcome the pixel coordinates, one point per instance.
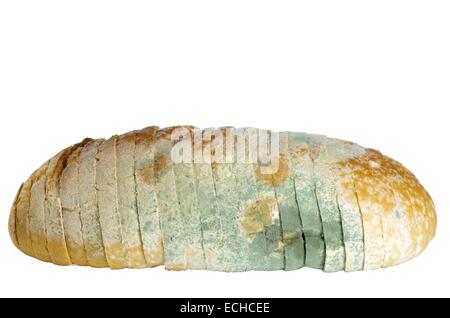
(252, 225)
(352, 227)
(22, 218)
(269, 207)
(292, 231)
(325, 184)
(188, 202)
(37, 223)
(56, 241)
(126, 191)
(302, 169)
(234, 257)
(106, 180)
(207, 204)
(346, 197)
(147, 205)
(337, 153)
(170, 216)
(70, 206)
(90, 218)
(371, 211)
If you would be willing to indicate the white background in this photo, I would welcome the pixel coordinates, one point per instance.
(374, 72)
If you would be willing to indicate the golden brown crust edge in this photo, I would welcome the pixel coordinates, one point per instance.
(12, 222)
(30, 240)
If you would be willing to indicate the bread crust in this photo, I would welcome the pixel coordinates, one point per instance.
(12, 220)
(410, 224)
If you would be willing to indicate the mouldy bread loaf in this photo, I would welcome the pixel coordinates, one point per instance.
(222, 199)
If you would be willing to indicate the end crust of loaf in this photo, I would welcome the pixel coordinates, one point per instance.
(407, 211)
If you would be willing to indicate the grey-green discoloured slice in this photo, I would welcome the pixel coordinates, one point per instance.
(90, 219)
(126, 191)
(207, 205)
(187, 198)
(268, 201)
(56, 241)
(329, 210)
(289, 211)
(235, 249)
(252, 222)
(352, 227)
(172, 226)
(302, 169)
(146, 197)
(108, 204)
(70, 204)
